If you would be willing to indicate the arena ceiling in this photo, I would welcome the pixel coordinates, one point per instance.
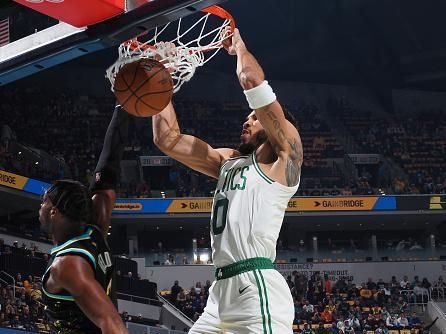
(378, 44)
(398, 43)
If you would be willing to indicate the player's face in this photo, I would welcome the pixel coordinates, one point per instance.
(44, 214)
(251, 127)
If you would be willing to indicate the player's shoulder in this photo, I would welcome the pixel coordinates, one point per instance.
(66, 265)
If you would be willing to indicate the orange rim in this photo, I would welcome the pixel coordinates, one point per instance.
(220, 12)
(214, 10)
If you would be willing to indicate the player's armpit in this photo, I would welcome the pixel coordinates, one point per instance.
(76, 275)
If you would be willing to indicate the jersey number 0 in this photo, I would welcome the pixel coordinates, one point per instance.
(219, 216)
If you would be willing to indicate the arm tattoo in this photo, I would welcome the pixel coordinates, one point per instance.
(276, 124)
(294, 161)
(292, 173)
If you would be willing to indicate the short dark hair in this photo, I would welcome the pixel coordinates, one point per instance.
(72, 199)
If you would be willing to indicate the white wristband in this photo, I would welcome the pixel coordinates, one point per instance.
(260, 96)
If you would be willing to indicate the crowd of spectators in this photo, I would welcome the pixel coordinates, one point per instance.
(20, 300)
(348, 307)
(56, 124)
(323, 306)
(67, 129)
(191, 301)
(20, 305)
(198, 118)
(416, 142)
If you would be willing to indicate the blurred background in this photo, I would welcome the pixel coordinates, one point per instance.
(366, 81)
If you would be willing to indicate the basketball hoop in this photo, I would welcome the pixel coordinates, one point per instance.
(168, 46)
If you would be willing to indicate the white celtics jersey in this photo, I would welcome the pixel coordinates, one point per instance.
(248, 211)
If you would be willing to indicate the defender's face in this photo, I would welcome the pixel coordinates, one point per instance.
(44, 214)
(251, 127)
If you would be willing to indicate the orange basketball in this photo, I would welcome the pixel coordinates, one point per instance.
(143, 88)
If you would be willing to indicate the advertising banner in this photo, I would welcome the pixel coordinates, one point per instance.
(358, 272)
(437, 203)
(204, 205)
(188, 205)
(23, 183)
(366, 203)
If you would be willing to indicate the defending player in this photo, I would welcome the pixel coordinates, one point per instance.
(77, 280)
(254, 186)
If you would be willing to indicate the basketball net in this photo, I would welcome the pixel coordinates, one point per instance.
(193, 46)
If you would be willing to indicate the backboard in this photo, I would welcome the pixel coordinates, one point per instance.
(50, 42)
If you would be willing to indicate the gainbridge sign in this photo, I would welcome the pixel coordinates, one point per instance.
(365, 203)
(19, 182)
(198, 205)
(437, 203)
(204, 205)
(12, 180)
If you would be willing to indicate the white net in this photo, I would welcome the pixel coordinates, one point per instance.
(191, 46)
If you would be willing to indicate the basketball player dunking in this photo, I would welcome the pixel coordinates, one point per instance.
(77, 280)
(254, 186)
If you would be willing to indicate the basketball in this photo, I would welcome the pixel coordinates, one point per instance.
(144, 87)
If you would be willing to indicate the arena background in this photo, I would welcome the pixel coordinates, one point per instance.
(366, 82)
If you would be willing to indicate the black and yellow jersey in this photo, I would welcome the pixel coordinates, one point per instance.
(65, 317)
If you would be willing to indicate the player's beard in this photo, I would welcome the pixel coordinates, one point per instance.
(45, 223)
(258, 139)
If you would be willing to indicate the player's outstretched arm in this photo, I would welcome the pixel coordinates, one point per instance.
(282, 135)
(107, 171)
(189, 150)
(75, 275)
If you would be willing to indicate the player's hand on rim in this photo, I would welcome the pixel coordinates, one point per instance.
(233, 41)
